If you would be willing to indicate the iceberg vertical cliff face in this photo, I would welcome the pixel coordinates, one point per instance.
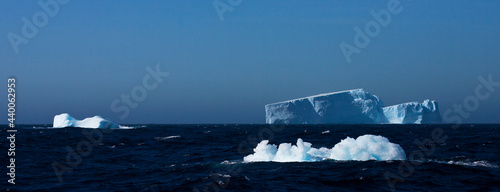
(349, 107)
(353, 106)
(413, 113)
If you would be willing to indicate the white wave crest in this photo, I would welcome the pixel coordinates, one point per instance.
(473, 163)
(168, 137)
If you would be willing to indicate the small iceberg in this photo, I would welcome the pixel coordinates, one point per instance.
(65, 120)
(364, 148)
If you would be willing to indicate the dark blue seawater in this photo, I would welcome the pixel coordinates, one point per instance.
(210, 158)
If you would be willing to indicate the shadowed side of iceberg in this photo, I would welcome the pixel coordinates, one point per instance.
(413, 113)
(298, 111)
(65, 120)
(352, 106)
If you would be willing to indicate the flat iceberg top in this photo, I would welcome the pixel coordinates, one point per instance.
(65, 120)
(350, 106)
(321, 95)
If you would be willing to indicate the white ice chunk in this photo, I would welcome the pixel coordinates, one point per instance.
(364, 148)
(263, 152)
(367, 147)
(65, 120)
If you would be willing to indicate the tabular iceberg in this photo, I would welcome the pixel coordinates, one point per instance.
(349, 107)
(65, 120)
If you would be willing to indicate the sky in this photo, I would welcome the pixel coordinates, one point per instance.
(225, 62)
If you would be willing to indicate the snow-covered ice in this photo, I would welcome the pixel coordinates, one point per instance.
(349, 107)
(65, 120)
(364, 148)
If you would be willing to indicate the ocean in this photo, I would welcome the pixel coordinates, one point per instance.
(206, 157)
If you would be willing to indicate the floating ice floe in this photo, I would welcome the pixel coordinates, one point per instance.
(364, 148)
(65, 120)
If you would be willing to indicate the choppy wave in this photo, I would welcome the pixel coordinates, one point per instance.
(481, 163)
(185, 157)
(167, 138)
(466, 163)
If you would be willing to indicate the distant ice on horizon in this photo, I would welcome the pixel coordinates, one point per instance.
(65, 120)
(350, 107)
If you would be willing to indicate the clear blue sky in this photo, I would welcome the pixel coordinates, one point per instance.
(91, 52)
